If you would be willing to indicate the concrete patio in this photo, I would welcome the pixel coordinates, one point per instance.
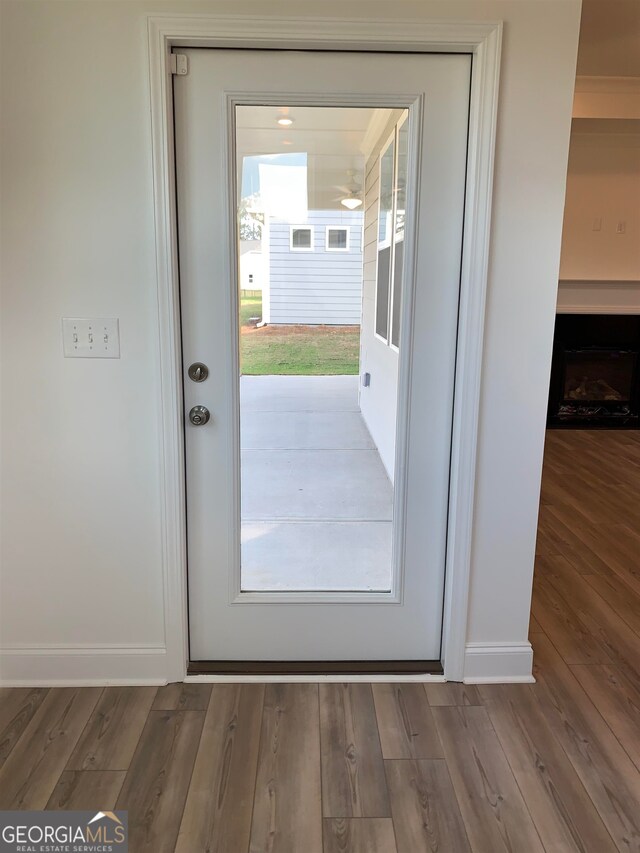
(316, 499)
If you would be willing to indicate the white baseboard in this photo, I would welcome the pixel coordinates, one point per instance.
(498, 663)
(82, 666)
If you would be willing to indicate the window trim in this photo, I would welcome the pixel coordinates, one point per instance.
(308, 248)
(346, 229)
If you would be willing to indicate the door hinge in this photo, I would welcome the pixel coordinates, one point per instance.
(178, 64)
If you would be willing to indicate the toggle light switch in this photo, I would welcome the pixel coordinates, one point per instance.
(91, 338)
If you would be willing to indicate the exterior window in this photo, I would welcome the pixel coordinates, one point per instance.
(337, 238)
(402, 159)
(385, 221)
(391, 226)
(301, 238)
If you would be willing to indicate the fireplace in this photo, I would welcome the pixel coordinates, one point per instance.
(595, 373)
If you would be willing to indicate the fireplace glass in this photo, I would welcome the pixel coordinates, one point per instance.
(597, 381)
(595, 372)
(594, 376)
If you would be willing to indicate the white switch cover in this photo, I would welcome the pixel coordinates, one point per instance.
(91, 338)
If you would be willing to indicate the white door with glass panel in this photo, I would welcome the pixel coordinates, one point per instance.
(320, 210)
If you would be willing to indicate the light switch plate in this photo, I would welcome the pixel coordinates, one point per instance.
(86, 337)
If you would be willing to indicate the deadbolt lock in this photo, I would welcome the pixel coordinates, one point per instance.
(199, 415)
(198, 371)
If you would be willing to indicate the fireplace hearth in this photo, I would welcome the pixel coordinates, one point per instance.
(595, 373)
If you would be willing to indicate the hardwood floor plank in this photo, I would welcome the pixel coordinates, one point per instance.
(405, 721)
(610, 631)
(574, 503)
(618, 700)
(182, 697)
(17, 707)
(287, 810)
(425, 810)
(606, 771)
(217, 814)
(452, 693)
(494, 812)
(364, 835)
(564, 816)
(35, 764)
(610, 543)
(156, 784)
(620, 597)
(113, 731)
(568, 543)
(625, 544)
(544, 543)
(80, 790)
(534, 626)
(562, 624)
(556, 538)
(353, 777)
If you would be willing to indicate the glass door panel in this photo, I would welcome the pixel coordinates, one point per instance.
(316, 495)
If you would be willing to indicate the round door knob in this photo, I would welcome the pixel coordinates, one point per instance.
(199, 415)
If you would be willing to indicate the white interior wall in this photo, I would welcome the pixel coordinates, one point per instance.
(82, 576)
(603, 190)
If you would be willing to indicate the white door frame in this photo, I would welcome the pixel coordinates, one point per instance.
(483, 40)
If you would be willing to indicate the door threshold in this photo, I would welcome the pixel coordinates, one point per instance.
(317, 669)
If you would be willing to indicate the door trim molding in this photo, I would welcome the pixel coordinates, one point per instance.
(483, 40)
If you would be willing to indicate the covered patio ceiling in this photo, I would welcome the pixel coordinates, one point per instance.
(335, 140)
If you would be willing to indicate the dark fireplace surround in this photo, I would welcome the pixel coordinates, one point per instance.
(595, 372)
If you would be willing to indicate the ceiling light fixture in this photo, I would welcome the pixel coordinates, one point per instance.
(351, 202)
(285, 122)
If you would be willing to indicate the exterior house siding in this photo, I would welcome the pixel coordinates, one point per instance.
(316, 286)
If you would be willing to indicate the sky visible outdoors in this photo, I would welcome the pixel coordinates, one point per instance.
(276, 184)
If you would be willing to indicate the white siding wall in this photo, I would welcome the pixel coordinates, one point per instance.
(253, 265)
(316, 286)
(378, 401)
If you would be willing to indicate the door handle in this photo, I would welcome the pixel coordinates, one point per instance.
(199, 415)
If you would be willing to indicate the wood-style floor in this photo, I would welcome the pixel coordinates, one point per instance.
(387, 768)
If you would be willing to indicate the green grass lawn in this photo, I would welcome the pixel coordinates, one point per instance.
(295, 350)
(250, 306)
